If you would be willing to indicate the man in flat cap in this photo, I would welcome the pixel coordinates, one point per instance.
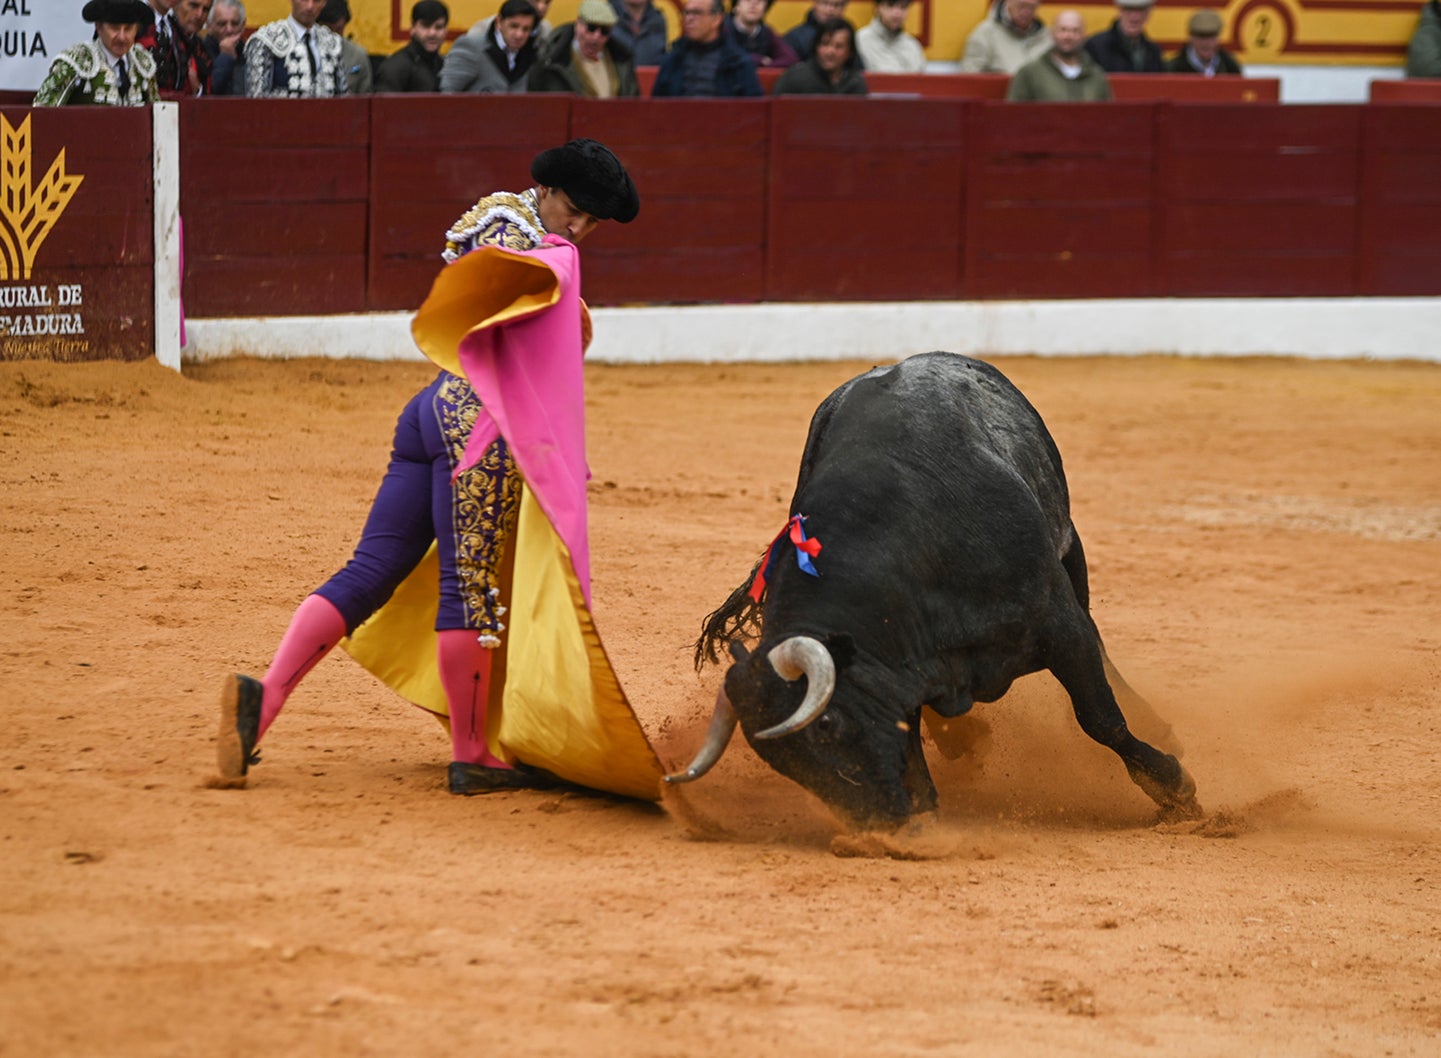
(108, 70)
(437, 648)
(1203, 53)
(584, 58)
(1125, 48)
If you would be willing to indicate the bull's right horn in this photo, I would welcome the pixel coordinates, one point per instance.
(803, 656)
(717, 737)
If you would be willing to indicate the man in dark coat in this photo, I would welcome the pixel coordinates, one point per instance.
(224, 42)
(1125, 48)
(584, 58)
(641, 28)
(416, 67)
(834, 68)
(162, 38)
(1204, 54)
(802, 38)
(705, 61)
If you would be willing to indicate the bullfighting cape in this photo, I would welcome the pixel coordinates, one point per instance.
(511, 323)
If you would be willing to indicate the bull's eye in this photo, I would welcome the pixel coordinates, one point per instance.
(826, 724)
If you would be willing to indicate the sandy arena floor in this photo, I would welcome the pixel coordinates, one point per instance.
(1265, 549)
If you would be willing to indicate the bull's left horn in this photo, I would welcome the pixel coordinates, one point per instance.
(803, 656)
(717, 737)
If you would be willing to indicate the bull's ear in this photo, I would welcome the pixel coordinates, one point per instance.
(842, 648)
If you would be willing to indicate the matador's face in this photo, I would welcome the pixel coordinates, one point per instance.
(563, 217)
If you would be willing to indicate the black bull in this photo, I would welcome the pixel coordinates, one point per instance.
(948, 568)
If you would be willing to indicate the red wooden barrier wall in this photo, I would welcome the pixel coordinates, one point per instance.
(1411, 90)
(1399, 250)
(276, 201)
(1258, 200)
(1060, 198)
(301, 207)
(101, 243)
(700, 166)
(431, 157)
(864, 199)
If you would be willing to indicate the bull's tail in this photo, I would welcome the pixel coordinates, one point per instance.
(738, 616)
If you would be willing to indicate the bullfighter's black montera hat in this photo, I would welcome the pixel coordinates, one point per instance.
(592, 176)
(118, 12)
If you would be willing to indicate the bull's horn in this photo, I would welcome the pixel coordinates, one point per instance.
(717, 737)
(803, 656)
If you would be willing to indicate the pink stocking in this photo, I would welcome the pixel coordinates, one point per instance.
(465, 673)
(314, 630)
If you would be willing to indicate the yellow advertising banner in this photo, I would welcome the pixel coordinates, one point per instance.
(1300, 32)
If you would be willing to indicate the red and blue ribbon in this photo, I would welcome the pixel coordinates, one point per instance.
(807, 548)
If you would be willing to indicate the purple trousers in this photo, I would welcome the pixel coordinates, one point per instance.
(470, 519)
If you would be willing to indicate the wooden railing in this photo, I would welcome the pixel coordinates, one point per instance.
(300, 207)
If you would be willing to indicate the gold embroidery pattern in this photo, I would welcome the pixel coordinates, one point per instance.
(502, 219)
(485, 504)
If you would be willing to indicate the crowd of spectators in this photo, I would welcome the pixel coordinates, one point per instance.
(171, 49)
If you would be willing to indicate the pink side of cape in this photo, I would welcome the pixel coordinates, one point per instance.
(529, 377)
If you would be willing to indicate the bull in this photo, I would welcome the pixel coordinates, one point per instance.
(930, 560)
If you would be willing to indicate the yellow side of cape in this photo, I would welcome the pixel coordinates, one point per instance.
(555, 701)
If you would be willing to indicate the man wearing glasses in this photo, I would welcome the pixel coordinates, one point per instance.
(703, 61)
(584, 58)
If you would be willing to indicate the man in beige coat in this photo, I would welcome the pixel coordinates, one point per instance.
(1010, 37)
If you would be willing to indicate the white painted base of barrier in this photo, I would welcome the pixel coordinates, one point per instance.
(1318, 328)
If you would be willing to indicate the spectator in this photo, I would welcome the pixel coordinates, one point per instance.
(1423, 55)
(195, 65)
(499, 61)
(641, 29)
(802, 38)
(111, 69)
(1066, 73)
(747, 26)
(354, 60)
(1125, 48)
(162, 39)
(834, 68)
(225, 44)
(1009, 37)
(884, 44)
(1204, 54)
(294, 58)
(416, 67)
(584, 58)
(704, 61)
(476, 36)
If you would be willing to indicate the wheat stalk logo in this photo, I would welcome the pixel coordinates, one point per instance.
(27, 214)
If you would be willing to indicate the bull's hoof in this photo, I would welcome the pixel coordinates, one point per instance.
(467, 780)
(240, 700)
(1177, 799)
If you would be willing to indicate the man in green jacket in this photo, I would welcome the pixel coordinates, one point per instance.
(585, 59)
(1066, 73)
(1423, 56)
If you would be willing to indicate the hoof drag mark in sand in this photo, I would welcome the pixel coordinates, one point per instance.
(1269, 812)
